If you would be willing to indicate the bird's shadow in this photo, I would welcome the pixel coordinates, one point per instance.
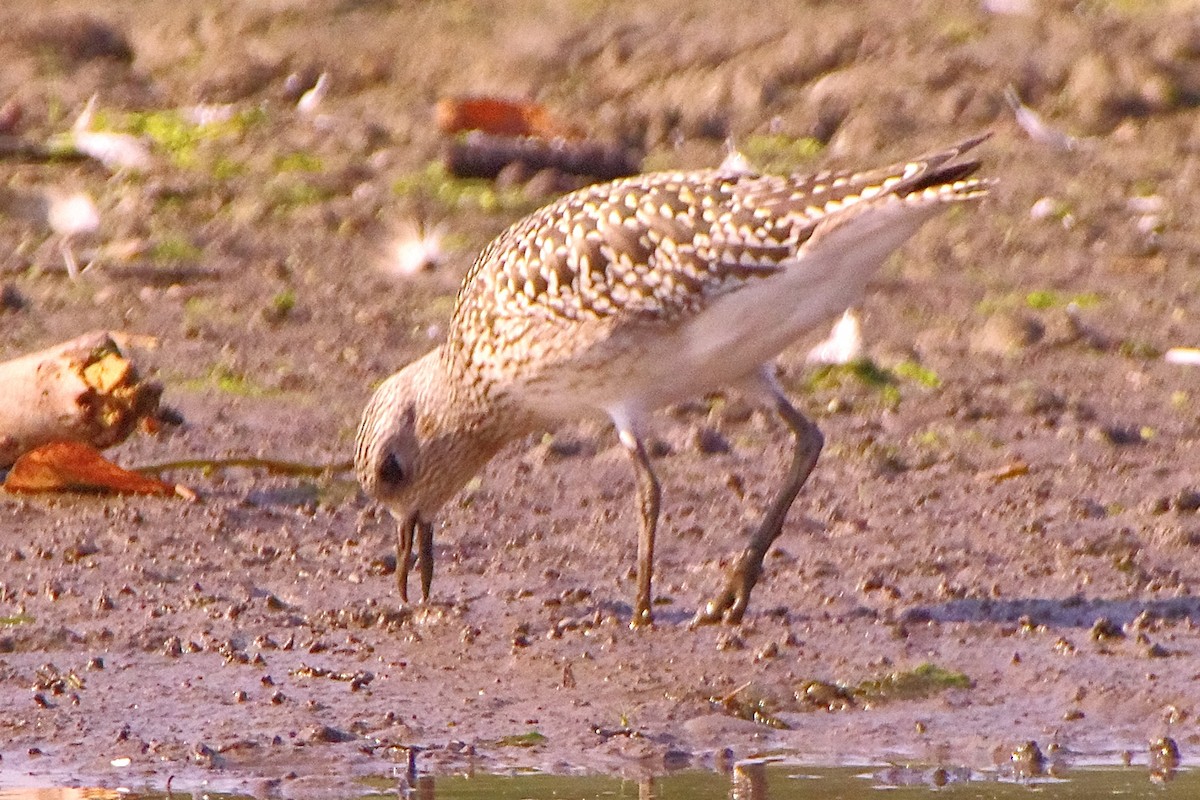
(1069, 612)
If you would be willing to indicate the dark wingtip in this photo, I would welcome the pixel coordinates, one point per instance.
(973, 142)
(941, 176)
(939, 158)
(941, 168)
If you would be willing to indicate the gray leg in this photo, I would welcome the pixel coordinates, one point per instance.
(414, 529)
(648, 495)
(425, 556)
(730, 604)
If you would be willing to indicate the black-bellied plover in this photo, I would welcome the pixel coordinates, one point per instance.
(625, 297)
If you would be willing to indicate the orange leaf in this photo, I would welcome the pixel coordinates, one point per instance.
(75, 466)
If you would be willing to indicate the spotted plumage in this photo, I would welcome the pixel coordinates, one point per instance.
(623, 297)
(657, 247)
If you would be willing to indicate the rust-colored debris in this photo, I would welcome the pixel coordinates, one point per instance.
(500, 133)
(501, 117)
(75, 466)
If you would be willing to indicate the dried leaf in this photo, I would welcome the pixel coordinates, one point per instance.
(75, 466)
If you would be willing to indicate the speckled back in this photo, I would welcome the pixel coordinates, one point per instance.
(657, 248)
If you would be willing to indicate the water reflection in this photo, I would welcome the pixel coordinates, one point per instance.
(768, 779)
(1164, 759)
(749, 781)
(425, 788)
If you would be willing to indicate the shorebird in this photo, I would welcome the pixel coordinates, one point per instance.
(624, 297)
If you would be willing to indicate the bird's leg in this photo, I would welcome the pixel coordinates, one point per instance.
(404, 547)
(425, 556)
(648, 495)
(730, 604)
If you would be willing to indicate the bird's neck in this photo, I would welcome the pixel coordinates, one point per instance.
(466, 425)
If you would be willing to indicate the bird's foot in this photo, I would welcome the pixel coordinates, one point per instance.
(729, 607)
(642, 620)
(730, 604)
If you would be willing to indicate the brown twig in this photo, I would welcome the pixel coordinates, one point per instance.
(272, 465)
(481, 155)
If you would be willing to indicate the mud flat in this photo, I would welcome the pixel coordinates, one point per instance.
(1004, 520)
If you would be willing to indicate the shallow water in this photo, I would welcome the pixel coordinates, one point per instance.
(753, 781)
(800, 783)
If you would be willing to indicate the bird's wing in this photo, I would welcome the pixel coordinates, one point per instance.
(663, 246)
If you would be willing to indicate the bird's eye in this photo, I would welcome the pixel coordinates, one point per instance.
(391, 471)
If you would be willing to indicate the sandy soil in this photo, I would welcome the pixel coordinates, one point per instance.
(1030, 468)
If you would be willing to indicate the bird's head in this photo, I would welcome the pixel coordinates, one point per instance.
(422, 437)
(408, 450)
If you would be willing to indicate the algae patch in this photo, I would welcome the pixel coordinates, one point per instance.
(530, 739)
(766, 707)
(918, 683)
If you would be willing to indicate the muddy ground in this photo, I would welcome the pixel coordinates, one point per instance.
(1023, 465)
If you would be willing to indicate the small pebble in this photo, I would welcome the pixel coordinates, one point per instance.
(1104, 629)
(325, 734)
